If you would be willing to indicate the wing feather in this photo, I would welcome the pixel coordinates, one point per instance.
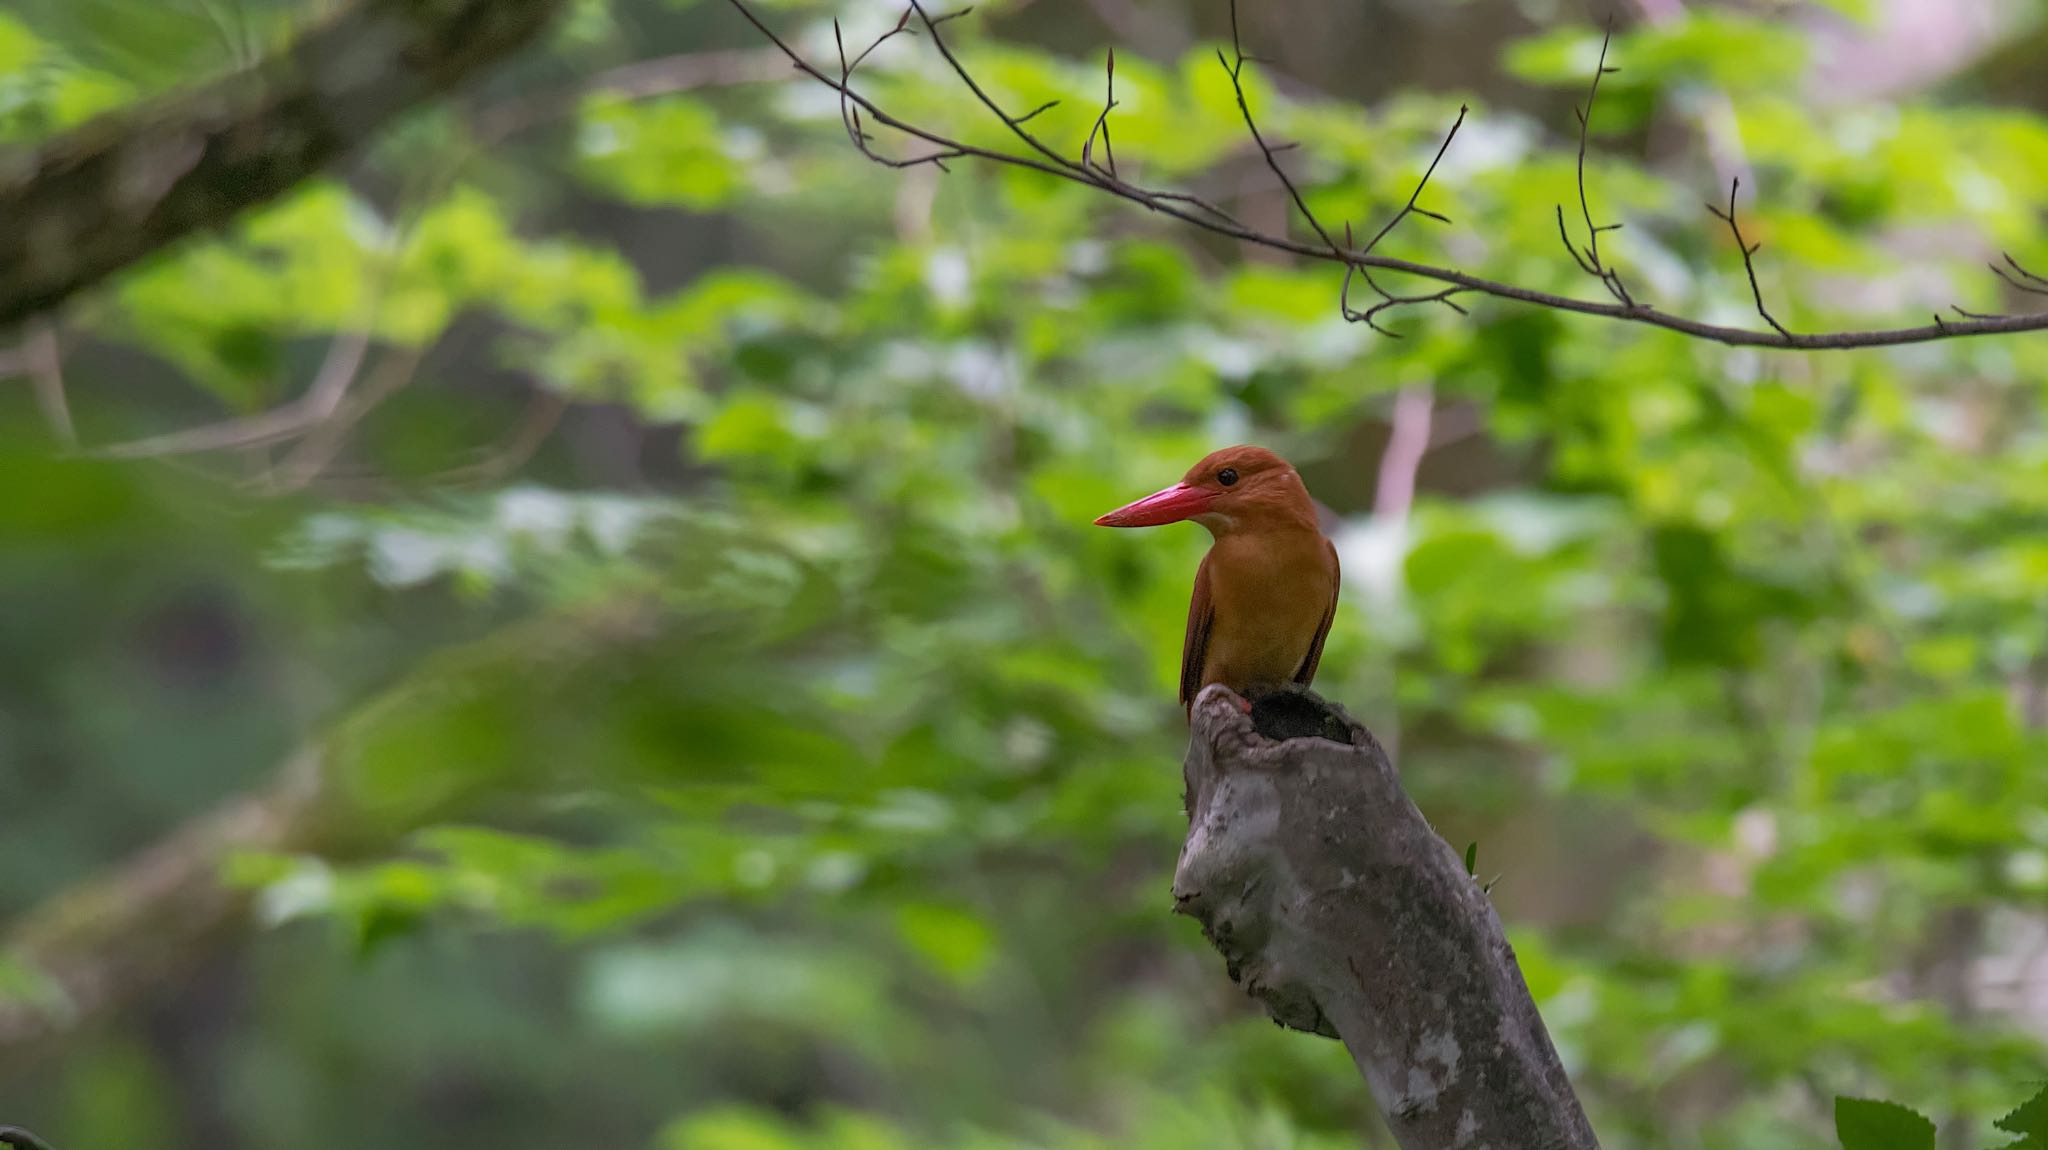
(1307, 672)
(1194, 651)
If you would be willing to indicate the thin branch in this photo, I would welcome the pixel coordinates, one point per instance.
(1188, 210)
(1048, 106)
(1016, 126)
(312, 454)
(1233, 66)
(1102, 121)
(1749, 265)
(21, 1139)
(1199, 202)
(2019, 277)
(1410, 207)
(849, 110)
(325, 398)
(1390, 300)
(337, 372)
(1588, 257)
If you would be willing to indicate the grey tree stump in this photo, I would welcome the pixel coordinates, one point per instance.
(1337, 907)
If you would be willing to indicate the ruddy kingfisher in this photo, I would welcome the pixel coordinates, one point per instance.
(1267, 590)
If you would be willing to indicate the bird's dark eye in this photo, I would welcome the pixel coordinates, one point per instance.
(1227, 476)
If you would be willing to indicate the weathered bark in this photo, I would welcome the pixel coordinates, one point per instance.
(113, 191)
(1339, 909)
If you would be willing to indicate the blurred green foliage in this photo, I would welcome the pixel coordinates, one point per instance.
(856, 834)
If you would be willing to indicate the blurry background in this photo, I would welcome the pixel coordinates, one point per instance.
(636, 553)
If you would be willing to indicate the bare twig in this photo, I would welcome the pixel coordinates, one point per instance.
(1233, 66)
(1389, 300)
(1197, 213)
(2016, 276)
(849, 108)
(2019, 277)
(321, 398)
(323, 441)
(1102, 121)
(1016, 126)
(1164, 202)
(1749, 264)
(1588, 256)
(1410, 208)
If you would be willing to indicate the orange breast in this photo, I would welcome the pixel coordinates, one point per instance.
(1270, 594)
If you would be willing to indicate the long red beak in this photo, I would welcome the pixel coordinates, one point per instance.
(1181, 501)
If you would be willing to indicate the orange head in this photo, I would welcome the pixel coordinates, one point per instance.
(1235, 489)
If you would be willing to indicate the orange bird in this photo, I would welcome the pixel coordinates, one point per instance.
(1267, 589)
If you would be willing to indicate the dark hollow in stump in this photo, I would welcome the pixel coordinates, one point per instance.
(1338, 908)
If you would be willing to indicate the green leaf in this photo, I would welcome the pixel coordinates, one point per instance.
(658, 152)
(957, 944)
(18, 46)
(731, 1128)
(1865, 1124)
(2029, 1120)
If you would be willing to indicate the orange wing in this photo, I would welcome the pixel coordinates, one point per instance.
(1194, 651)
(1315, 647)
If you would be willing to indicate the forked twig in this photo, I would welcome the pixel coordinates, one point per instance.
(330, 386)
(1748, 251)
(1233, 66)
(1189, 209)
(2019, 277)
(1411, 207)
(1389, 299)
(1588, 256)
(1102, 121)
(849, 109)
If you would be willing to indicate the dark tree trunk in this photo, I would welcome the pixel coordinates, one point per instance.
(97, 199)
